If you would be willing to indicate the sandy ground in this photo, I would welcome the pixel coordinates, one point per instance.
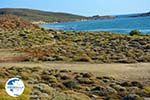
(139, 71)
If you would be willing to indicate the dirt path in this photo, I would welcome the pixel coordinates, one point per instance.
(140, 71)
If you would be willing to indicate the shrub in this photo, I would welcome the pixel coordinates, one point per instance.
(147, 90)
(135, 32)
(2, 75)
(71, 84)
(49, 78)
(147, 46)
(85, 81)
(82, 58)
(2, 86)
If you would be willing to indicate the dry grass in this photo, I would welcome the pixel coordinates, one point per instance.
(8, 55)
(139, 71)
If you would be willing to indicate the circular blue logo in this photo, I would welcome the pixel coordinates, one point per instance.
(14, 87)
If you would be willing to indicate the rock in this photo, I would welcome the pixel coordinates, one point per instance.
(105, 77)
(35, 60)
(109, 78)
(46, 72)
(99, 90)
(65, 76)
(103, 91)
(146, 98)
(132, 97)
(58, 86)
(44, 96)
(32, 81)
(133, 90)
(86, 75)
(24, 75)
(118, 87)
(34, 97)
(85, 81)
(36, 77)
(94, 96)
(36, 69)
(44, 88)
(111, 90)
(77, 76)
(99, 77)
(65, 71)
(71, 84)
(106, 80)
(127, 84)
(134, 44)
(48, 59)
(19, 76)
(49, 78)
(138, 84)
(36, 92)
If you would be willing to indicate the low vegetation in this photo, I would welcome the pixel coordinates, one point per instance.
(135, 32)
(41, 16)
(98, 47)
(69, 85)
(54, 45)
(17, 32)
(22, 41)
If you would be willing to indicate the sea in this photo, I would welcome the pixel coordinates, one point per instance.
(117, 25)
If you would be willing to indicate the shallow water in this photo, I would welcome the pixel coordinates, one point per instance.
(121, 25)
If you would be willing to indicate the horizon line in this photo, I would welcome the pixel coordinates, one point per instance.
(75, 13)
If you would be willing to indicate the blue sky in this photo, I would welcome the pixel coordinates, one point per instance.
(82, 7)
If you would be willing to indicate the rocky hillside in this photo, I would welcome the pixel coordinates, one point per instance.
(54, 45)
(100, 47)
(53, 84)
(17, 32)
(11, 22)
(37, 15)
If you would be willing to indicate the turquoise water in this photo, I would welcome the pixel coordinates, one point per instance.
(121, 25)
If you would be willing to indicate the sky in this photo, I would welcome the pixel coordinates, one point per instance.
(82, 7)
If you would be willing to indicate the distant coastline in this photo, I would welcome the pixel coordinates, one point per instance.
(44, 17)
(121, 25)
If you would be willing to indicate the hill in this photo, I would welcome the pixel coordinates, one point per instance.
(134, 15)
(54, 45)
(49, 83)
(99, 47)
(11, 22)
(17, 32)
(37, 15)
(102, 17)
(141, 15)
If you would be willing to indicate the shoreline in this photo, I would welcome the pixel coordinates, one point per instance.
(122, 25)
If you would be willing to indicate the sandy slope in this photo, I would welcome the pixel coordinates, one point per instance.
(139, 71)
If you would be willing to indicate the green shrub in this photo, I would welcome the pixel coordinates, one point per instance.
(82, 58)
(2, 86)
(135, 32)
(147, 46)
(147, 90)
(71, 84)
